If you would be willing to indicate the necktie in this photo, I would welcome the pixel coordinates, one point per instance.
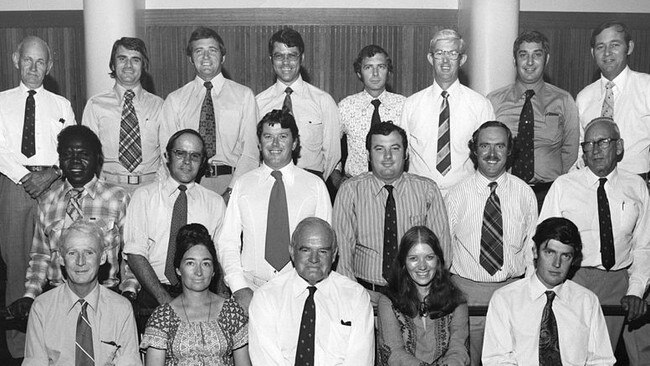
(287, 100)
(84, 355)
(28, 147)
(277, 225)
(444, 148)
(130, 149)
(524, 166)
(375, 115)
(549, 346)
(608, 102)
(73, 208)
(491, 257)
(179, 219)
(605, 225)
(207, 122)
(390, 234)
(305, 348)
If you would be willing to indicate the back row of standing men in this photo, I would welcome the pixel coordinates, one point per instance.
(134, 126)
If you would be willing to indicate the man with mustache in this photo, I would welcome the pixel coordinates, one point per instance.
(492, 216)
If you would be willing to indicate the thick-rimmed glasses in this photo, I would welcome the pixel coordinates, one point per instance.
(440, 54)
(182, 155)
(602, 143)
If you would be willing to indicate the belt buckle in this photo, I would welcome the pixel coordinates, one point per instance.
(211, 171)
(133, 179)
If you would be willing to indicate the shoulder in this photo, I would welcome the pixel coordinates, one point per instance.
(518, 185)
(146, 191)
(631, 181)
(588, 90)
(580, 293)
(353, 182)
(162, 317)
(47, 299)
(237, 88)
(349, 290)
(472, 95)
(416, 97)
(461, 188)
(496, 94)
(59, 99)
(350, 100)
(117, 303)
(275, 287)
(106, 94)
(415, 179)
(511, 290)
(107, 189)
(176, 94)
(152, 98)
(265, 93)
(558, 91)
(640, 76)
(232, 315)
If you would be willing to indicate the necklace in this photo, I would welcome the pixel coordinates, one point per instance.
(185, 311)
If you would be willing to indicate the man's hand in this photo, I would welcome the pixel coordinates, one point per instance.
(244, 297)
(130, 295)
(337, 178)
(226, 195)
(20, 308)
(35, 183)
(164, 297)
(635, 306)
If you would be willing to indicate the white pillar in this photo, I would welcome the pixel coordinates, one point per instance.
(489, 28)
(105, 21)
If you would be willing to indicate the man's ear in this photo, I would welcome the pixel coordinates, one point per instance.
(103, 258)
(463, 59)
(15, 57)
(630, 47)
(430, 58)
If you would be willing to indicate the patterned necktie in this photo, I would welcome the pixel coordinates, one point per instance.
(524, 166)
(277, 225)
(375, 115)
(608, 102)
(207, 122)
(287, 100)
(73, 208)
(84, 355)
(130, 149)
(605, 225)
(390, 234)
(549, 346)
(491, 257)
(306, 335)
(444, 148)
(179, 219)
(28, 147)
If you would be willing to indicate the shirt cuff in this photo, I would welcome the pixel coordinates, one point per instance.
(236, 282)
(635, 288)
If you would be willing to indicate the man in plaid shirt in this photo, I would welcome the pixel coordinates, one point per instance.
(81, 195)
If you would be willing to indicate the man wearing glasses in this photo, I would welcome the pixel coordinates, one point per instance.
(441, 118)
(156, 213)
(611, 208)
(315, 111)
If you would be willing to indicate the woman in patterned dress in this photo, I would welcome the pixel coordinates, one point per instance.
(198, 327)
(424, 319)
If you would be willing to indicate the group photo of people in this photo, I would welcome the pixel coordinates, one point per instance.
(219, 226)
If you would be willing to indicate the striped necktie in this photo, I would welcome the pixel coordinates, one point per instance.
(491, 257)
(130, 149)
(444, 148)
(73, 207)
(84, 355)
(287, 100)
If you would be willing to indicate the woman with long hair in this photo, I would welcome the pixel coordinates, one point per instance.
(198, 327)
(424, 319)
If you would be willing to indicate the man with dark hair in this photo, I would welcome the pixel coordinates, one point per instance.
(611, 208)
(543, 117)
(267, 203)
(127, 119)
(372, 105)
(374, 209)
(314, 110)
(223, 111)
(156, 213)
(571, 325)
(492, 216)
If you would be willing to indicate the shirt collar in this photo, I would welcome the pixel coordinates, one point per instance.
(71, 298)
(288, 173)
(90, 188)
(170, 186)
(453, 89)
(369, 98)
(482, 183)
(24, 89)
(378, 184)
(120, 90)
(594, 180)
(619, 81)
(217, 83)
(537, 289)
(299, 285)
(520, 88)
(297, 86)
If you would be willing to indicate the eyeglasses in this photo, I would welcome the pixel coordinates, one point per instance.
(452, 55)
(182, 155)
(291, 57)
(602, 143)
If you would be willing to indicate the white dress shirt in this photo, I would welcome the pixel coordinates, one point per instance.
(574, 197)
(317, 118)
(467, 111)
(631, 114)
(465, 206)
(244, 264)
(514, 318)
(344, 322)
(53, 113)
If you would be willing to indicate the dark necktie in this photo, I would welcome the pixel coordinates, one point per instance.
(287, 100)
(277, 225)
(549, 346)
(390, 233)
(207, 122)
(605, 225)
(28, 147)
(84, 355)
(306, 335)
(375, 115)
(444, 148)
(607, 109)
(491, 257)
(524, 166)
(130, 148)
(179, 219)
(73, 207)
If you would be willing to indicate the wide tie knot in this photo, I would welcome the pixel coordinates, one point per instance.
(376, 103)
(311, 289)
(31, 93)
(208, 85)
(276, 174)
(529, 93)
(493, 187)
(444, 94)
(128, 95)
(389, 188)
(83, 303)
(550, 295)
(182, 188)
(602, 182)
(288, 90)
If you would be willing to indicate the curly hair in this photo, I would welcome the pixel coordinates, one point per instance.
(190, 236)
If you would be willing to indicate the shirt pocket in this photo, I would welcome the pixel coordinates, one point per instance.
(551, 131)
(311, 135)
(338, 339)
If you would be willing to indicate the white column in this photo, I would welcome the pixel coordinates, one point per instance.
(489, 28)
(105, 21)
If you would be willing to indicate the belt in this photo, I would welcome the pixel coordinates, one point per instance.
(214, 170)
(540, 186)
(37, 168)
(133, 179)
(372, 286)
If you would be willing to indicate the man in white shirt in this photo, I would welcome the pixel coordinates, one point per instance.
(310, 315)
(265, 207)
(30, 119)
(522, 314)
(611, 208)
(315, 111)
(155, 214)
(440, 119)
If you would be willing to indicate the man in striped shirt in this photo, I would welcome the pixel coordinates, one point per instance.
(360, 216)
